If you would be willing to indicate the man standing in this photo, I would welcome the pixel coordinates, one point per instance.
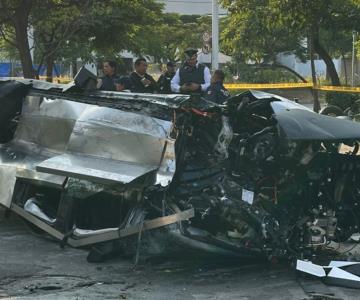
(164, 81)
(191, 77)
(141, 82)
(216, 92)
(108, 82)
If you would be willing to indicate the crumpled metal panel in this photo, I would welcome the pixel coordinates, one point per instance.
(40, 178)
(48, 123)
(16, 163)
(66, 138)
(7, 183)
(43, 131)
(39, 84)
(172, 101)
(168, 164)
(277, 104)
(128, 145)
(95, 169)
(298, 124)
(119, 135)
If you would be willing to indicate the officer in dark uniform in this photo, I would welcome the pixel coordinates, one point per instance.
(108, 82)
(191, 77)
(123, 84)
(216, 92)
(142, 82)
(164, 82)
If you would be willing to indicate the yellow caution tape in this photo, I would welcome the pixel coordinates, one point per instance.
(58, 79)
(246, 86)
(338, 88)
(249, 86)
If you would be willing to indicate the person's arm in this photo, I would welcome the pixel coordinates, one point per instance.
(175, 82)
(133, 83)
(207, 79)
(99, 83)
(152, 82)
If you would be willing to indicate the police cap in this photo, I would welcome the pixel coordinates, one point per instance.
(190, 52)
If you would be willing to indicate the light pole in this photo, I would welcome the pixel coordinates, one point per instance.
(215, 35)
(353, 59)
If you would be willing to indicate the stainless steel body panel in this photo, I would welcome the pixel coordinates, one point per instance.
(48, 123)
(70, 139)
(7, 184)
(16, 160)
(118, 135)
(95, 169)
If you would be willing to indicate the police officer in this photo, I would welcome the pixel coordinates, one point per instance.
(191, 77)
(164, 81)
(108, 82)
(123, 84)
(142, 82)
(216, 92)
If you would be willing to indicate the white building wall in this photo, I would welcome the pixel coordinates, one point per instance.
(304, 69)
(190, 7)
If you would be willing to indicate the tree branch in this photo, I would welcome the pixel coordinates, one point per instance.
(281, 66)
(5, 38)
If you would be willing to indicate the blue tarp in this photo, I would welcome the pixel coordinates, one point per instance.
(5, 70)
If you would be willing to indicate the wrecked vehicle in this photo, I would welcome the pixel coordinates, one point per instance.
(259, 176)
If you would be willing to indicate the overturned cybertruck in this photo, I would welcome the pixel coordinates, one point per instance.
(259, 176)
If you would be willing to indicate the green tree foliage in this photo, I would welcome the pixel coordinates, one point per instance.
(123, 25)
(250, 33)
(56, 23)
(79, 27)
(14, 21)
(174, 34)
(266, 27)
(7, 50)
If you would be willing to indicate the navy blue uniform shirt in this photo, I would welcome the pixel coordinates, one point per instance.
(108, 83)
(217, 93)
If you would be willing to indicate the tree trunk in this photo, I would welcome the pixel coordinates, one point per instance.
(24, 50)
(49, 68)
(316, 106)
(74, 67)
(21, 24)
(330, 67)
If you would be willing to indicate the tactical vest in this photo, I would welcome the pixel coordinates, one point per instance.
(195, 75)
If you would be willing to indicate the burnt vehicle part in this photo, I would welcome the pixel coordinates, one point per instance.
(260, 175)
(285, 189)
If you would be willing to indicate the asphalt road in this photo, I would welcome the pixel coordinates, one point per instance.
(33, 267)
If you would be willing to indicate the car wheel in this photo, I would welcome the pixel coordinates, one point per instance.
(332, 110)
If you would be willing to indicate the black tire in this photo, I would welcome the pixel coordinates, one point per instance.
(332, 110)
